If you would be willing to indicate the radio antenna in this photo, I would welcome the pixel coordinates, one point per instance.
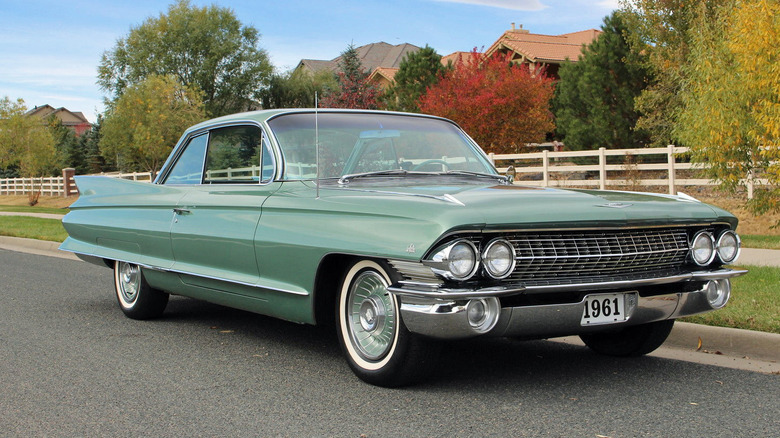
(317, 142)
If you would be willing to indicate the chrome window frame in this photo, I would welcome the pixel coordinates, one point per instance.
(265, 141)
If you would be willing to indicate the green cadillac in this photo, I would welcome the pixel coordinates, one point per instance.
(397, 230)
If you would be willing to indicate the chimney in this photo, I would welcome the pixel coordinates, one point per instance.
(518, 29)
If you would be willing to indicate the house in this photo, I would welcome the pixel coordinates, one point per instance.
(372, 56)
(72, 120)
(542, 51)
(385, 76)
(381, 60)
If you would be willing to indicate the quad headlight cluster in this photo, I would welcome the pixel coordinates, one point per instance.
(461, 260)
(705, 247)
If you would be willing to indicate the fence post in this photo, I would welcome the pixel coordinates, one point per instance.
(749, 184)
(602, 168)
(670, 160)
(492, 158)
(546, 168)
(68, 184)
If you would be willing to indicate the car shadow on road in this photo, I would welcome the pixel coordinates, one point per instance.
(481, 364)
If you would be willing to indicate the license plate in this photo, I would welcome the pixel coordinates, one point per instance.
(604, 309)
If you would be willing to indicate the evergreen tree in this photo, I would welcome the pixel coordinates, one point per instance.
(90, 141)
(594, 99)
(355, 90)
(418, 71)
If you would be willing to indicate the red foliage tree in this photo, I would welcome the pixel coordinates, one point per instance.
(501, 105)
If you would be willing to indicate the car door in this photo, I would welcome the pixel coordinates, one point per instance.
(212, 235)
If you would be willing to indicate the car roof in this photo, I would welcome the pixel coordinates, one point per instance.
(264, 115)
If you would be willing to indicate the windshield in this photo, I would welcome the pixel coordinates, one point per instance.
(356, 143)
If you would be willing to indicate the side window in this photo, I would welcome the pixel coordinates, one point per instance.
(268, 162)
(189, 167)
(234, 155)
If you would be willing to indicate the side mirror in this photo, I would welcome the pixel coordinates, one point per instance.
(510, 173)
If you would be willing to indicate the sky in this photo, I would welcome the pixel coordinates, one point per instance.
(50, 50)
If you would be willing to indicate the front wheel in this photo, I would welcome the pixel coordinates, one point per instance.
(631, 341)
(377, 345)
(136, 298)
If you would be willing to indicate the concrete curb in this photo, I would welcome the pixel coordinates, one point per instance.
(685, 336)
(727, 341)
(32, 246)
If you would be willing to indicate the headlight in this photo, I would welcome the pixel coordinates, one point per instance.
(703, 248)
(499, 259)
(456, 261)
(728, 246)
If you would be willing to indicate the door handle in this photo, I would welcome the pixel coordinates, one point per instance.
(181, 211)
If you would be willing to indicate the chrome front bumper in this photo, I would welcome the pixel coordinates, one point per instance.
(447, 318)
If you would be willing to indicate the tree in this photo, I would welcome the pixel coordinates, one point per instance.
(207, 48)
(90, 142)
(501, 105)
(418, 71)
(594, 99)
(664, 30)
(296, 89)
(144, 124)
(730, 115)
(25, 142)
(355, 91)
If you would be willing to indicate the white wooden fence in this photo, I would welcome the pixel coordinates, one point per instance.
(616, 168)
(48, 186)
(58, 185)
(667, 167)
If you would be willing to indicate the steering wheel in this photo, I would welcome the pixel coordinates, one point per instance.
(433, 161)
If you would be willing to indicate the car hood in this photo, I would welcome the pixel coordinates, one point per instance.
(496, 206)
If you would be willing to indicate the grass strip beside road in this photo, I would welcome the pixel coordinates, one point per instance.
(32, 228)
(760, 241)
(754, 303)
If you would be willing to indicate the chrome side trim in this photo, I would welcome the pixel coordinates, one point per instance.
(85, 256)
(444, 198)
(415, 289)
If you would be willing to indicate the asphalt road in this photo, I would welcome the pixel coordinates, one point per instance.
(72, 365)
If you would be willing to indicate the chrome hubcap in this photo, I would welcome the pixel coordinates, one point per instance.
(129, 282)
(371, 314)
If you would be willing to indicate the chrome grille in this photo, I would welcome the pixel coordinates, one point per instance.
(561, 257)
(576, 257)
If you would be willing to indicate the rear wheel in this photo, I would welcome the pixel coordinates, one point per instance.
(377, 345)
(136, 298)
(631, 341)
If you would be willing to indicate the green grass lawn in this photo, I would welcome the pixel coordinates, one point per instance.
(754, 303)
(32, 228)
(760, 241)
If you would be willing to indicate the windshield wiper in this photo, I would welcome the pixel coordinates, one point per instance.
(345, 178)
(478, 174)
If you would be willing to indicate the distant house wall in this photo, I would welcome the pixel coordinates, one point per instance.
(70, 119)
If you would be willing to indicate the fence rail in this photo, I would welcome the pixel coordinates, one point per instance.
(48, 186)
(59, 185)
(616, 167)
(623, 168)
